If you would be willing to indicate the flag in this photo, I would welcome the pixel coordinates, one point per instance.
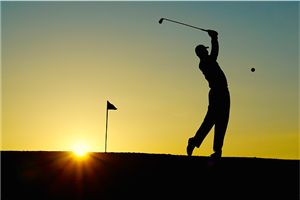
(110, 106)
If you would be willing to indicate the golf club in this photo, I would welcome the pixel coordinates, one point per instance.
(161, 20)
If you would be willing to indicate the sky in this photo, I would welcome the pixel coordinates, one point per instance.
(62, 61)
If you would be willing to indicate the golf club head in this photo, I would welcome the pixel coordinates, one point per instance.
(161, 20)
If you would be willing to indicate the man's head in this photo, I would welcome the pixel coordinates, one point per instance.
(201, 51)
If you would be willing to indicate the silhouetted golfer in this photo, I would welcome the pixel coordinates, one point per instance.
(219, 99)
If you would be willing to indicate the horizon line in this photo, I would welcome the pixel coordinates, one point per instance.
(146, 153)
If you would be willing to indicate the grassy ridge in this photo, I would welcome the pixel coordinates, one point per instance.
(61, 175)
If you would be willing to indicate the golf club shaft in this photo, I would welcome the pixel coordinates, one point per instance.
(186, 25)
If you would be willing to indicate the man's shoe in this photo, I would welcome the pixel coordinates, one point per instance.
(216, 154)
(191, 146)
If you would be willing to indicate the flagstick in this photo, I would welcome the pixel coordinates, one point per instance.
(106, 128)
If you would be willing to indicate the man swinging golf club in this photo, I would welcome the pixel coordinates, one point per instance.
(219, 98)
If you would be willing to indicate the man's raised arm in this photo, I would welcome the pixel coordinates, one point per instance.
(214, 44)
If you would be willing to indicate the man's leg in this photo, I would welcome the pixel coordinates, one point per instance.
(221, 126)
(204, 129)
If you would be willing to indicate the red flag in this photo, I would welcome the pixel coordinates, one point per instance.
(110, 106)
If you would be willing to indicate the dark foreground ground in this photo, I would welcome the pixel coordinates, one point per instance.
(61, 175)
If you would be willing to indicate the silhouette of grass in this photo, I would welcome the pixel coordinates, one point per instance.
(61, 175)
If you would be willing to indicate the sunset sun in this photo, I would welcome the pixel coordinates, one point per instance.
(80, 150)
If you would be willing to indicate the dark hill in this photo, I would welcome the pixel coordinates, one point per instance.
(60, 175)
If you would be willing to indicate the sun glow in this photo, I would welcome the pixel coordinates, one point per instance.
(80, 150)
